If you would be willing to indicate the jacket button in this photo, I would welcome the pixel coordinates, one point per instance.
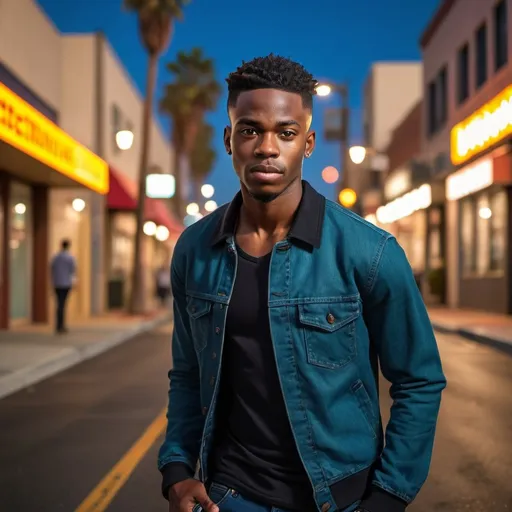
(326, 507)
(205, 410)
(330, 318)
(217, 330)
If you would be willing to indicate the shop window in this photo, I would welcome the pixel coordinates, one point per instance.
(498, 231)
(468, 236)
(484, 233)
(481, 56)
(500, 35)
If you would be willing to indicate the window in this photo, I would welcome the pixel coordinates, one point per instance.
(463, 72)
(481, 56)
(484, 233)
(431, 117)
(500, 35)
(498, 230)
(468, 236)
(443, 97)
(437, 106)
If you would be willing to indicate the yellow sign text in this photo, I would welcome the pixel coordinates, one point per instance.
(28, 130)
(482, 129)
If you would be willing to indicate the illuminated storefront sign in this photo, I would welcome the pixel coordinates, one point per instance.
(487, 126)
(469, 180)
(417, 199)
(26, 129)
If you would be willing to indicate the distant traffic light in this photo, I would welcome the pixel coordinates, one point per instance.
(347, 197)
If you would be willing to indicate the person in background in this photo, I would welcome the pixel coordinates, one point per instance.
(63, 270)
(163, 284)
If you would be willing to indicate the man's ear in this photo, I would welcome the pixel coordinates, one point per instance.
(227, 139)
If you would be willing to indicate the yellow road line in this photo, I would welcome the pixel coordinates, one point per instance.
(103, 494)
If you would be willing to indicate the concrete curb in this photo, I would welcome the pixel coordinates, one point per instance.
(475, 335)
(71, 356)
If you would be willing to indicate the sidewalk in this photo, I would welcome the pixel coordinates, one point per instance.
(32, 353)
(489, 328)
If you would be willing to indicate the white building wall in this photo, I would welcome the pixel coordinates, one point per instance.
(121, 91)
(78, 88)
(30, 47)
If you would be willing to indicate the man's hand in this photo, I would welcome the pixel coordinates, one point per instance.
(184, 495)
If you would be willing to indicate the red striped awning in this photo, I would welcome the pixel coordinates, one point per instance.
(123, 195)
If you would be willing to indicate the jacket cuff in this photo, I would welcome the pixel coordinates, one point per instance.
(379, 500)
(173, 473)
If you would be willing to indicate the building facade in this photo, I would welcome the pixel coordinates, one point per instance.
(390, 91)
(62, 175)
(46, 174)
(413, 209)
(113, 104)
(467, 141)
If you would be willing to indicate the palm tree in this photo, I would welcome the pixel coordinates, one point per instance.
(193, 92)
(202, 158)
(155, 25)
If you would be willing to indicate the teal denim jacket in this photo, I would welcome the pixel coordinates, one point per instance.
(342, 299)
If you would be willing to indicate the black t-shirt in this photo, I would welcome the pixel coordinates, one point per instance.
(254, 451)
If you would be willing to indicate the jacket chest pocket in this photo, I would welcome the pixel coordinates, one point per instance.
(329, 330)
(200, 313)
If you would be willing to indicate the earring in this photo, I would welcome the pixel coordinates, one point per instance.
(307, 155)
(229, 151)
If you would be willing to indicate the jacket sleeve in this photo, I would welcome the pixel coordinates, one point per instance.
(400, 330)
(179, 452)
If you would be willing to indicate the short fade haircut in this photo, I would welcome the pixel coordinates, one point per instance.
(272, 72)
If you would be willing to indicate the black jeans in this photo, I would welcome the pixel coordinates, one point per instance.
(61, 296)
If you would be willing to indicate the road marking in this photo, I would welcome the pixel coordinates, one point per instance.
(103, 494)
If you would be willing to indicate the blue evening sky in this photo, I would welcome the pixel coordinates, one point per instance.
(336, 40)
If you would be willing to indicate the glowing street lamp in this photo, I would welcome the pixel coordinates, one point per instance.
(210, 206)
(124, 139)
(207, 191)
(192, 209)
(357, 154)
(323, 90)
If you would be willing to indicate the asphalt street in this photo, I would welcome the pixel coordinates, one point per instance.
(60, 438)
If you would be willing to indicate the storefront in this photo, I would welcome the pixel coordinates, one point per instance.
(43, 175)
(414, 214)
(161, 230)
(479, 195)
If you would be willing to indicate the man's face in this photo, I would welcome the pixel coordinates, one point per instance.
(269, 137)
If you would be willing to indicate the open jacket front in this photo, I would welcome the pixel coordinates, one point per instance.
(342, 298)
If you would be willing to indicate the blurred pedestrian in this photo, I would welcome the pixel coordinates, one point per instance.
(285, 303)
(63, 272)
(163, 284)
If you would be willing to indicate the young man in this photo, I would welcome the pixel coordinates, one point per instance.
(63, 270)
(284, 303)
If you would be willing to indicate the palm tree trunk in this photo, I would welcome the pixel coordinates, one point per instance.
(137, 300)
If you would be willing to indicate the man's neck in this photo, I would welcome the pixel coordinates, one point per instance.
(273, 217)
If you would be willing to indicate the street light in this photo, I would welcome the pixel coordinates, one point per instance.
(124, 139)
(192, 209)
(323, 90)
(357, 154)
(338, 133)
(210, 206)
(207, 191)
